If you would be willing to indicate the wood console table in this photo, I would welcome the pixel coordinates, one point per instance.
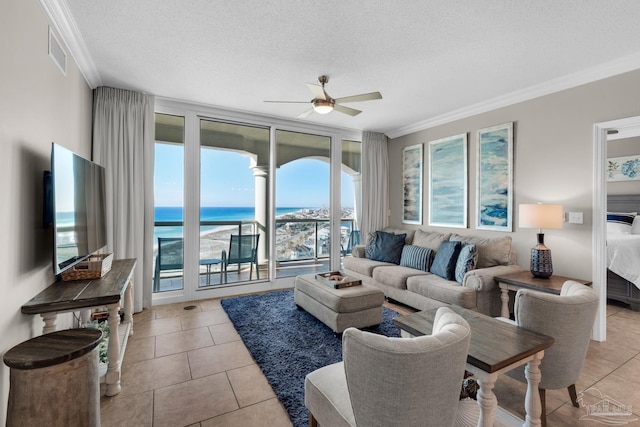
(525, 280)
(114, 290)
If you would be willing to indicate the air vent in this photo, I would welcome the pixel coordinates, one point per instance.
(57, 53)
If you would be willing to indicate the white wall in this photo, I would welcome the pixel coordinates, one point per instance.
(553, 162)
(38, 105)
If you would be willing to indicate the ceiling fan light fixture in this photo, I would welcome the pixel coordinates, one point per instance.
(322, 106)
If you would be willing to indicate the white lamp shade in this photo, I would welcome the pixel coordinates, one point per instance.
(541, 216)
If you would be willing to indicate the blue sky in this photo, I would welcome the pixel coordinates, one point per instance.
(228, 180)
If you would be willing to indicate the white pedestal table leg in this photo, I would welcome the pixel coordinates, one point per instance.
(49, 320)
(128, 306)
(113, 371)
(504, 297)
(487, 400)
(532, 404)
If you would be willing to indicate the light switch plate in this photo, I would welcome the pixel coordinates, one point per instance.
(575, 218)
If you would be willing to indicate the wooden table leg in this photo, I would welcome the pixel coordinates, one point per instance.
(49, 320)
(504, 297)
(532, 404)
(487, 400)
(112, 378)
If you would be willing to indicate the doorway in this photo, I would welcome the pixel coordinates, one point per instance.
(631, 127)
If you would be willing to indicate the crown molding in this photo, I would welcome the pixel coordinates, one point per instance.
(61, 19)
(609, 69)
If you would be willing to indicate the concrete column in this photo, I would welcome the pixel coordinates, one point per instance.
(261, 175)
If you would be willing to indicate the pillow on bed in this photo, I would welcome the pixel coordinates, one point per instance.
(620, 222)
(635, 227)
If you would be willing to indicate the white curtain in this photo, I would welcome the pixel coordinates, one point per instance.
(123, 138)
(375, 171)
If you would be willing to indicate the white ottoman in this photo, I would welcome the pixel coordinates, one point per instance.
(355, 306)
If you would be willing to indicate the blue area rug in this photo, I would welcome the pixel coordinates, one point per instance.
(288, 343)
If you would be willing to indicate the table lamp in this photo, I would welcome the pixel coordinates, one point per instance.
(541, 216)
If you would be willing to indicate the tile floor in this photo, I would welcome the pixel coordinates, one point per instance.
(190, 368)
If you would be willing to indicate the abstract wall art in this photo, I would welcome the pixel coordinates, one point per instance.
(448, 181)
(623, 168)
(412, 184)
(494, 195)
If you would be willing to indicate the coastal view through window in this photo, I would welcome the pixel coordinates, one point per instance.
(234, 200)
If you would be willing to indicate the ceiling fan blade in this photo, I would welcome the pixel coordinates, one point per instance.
(346, 110)
(317, 91)
(289, 102)
(305, 114)
(359, 98)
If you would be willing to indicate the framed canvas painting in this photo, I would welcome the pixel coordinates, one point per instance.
(412, 184)
(623, 168)
(494, 195)
(448, 181)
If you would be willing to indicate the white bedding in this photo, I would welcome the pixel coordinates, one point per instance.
(623, 256)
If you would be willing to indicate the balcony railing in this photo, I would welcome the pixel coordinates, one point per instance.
(296, 238)
(299, 239)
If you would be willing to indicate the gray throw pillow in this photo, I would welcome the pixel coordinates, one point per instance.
(467, 260)
(387, 247)
(368, 247)
(444, 264)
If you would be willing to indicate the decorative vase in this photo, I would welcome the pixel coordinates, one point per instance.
(541, 265)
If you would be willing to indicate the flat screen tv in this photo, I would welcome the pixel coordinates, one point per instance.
(76, 207)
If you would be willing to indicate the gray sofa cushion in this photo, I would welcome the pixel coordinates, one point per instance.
(396, 276)
(435, 287)
(363, 265)
(496, 251)
(410, 233)
(430, 239)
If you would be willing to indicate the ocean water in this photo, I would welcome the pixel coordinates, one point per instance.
(207, 214)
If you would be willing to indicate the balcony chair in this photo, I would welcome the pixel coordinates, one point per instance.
(386, 381)
(243, 248)
(568, 318)
(170, 257)
(354, 240)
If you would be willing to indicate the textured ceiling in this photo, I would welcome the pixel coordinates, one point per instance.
(429, 59)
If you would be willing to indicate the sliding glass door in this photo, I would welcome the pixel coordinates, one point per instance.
(168, 209)
(303, 203)
(288, 195)
(234, 171)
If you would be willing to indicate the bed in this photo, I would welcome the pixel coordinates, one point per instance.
(623, 249)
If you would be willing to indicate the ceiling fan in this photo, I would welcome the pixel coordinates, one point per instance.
(322, 103)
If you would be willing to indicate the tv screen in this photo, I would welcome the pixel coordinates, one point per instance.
(78, 208)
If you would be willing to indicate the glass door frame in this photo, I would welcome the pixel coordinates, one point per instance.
(192, 114)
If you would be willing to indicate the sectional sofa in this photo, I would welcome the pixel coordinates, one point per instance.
(414, 273)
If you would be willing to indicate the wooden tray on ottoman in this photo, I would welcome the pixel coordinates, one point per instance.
(337, 280)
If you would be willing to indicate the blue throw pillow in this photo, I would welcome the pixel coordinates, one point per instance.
(387, 247)
(416, 257)
(467, 260)
(444, 263)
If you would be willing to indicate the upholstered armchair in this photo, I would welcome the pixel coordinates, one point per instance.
(386, 381)
(568, 318)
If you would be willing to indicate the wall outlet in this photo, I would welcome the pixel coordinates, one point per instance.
(575, 218)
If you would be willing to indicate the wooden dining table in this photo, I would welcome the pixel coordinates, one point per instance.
(496, 347)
